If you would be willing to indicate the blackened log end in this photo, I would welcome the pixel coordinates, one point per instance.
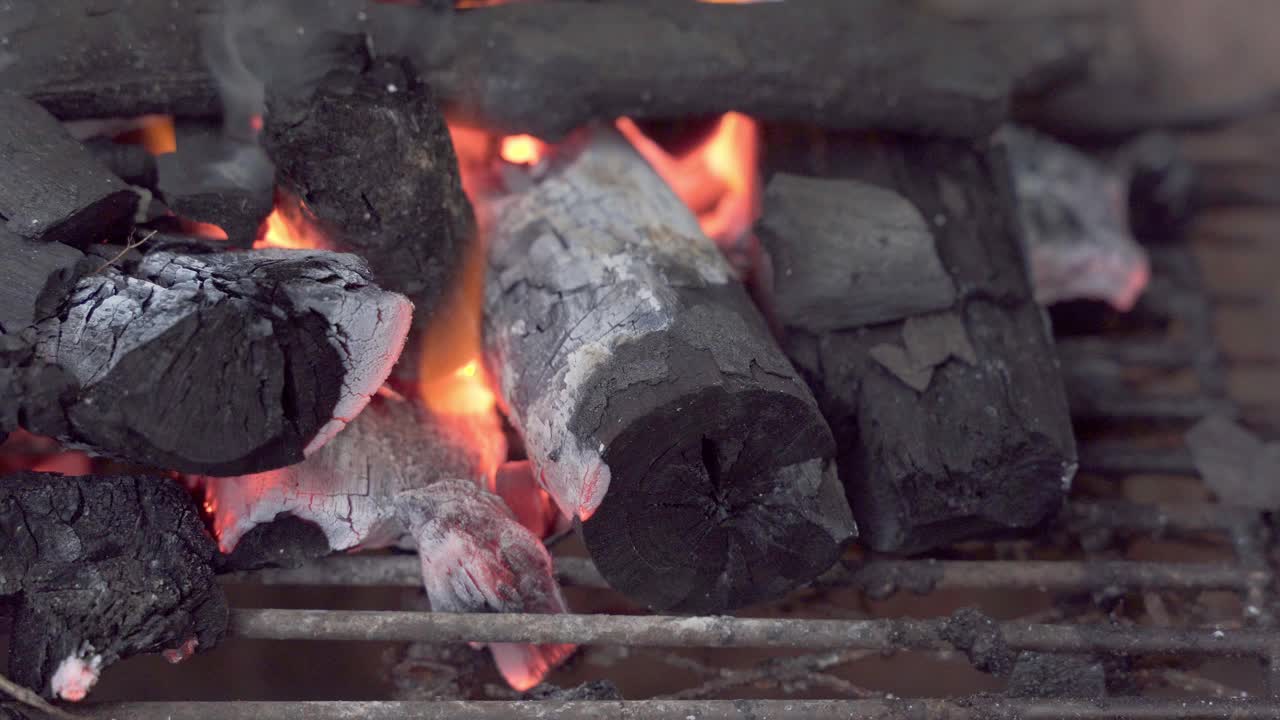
(723, 491)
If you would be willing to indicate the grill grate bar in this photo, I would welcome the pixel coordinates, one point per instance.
(877, 576)
(974, 708)
(725, 631)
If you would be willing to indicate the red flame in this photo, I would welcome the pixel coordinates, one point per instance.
(718, 179)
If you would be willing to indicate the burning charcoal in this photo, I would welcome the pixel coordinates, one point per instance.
(950, 423)
(217, 180)
(51, 187)
(401, 474)
(221, 363)
(653, 402)
(1073, 212)
(102, 568)
(371, 159)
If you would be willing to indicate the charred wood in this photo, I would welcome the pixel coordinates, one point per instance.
(131, 163)
(654, 404)
(218, 363)
(546, 68)
(131, 57)
(950, 423)
(51, 187)
(102, 568)
(370, 156)
(215, 179)
(401, 474)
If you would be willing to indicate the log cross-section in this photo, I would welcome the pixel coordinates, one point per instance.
(653, 401)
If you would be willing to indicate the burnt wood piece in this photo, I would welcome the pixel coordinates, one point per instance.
(31, 271)
(220, 363)
(953, 423)
(370, 155)
(549, 67)
(212, 178)
(132, 57)
(32, 393)
(51, 187)
(131, 163)
(401, 474)
(654, 404)
(102, 568)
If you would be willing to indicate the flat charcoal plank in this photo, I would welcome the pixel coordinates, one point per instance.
(51, 187)
(108, 58)
(223, 363)
(103, 568)
(549, 67)
(654, 404)
(370, 156)
(29, 272)
(952, 423)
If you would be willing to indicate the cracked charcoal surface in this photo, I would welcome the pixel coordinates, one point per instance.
(943, 434)
(220, 363)
(103, 566)
(611, 320)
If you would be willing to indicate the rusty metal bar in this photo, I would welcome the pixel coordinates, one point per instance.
(976, 708)
(722, 631)
(877, 577)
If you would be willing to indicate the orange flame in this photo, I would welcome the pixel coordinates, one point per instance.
(155, 133)
(522, 149)
(718, 179)
(291, 226)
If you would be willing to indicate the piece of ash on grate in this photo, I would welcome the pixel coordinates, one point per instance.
(687, 359)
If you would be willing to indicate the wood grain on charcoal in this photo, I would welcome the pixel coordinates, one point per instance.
(103, 568)
(951, 423)
(370, 155)
(220, 363)
(653, 401)
(51, 187)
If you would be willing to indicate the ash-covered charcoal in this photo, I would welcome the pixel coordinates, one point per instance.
(52, 188)
(400, 474)
(369, 154)
(219, 180)
(1073, 212)
(950, 423)
(102, 568)
(611, 320)
(218, 363)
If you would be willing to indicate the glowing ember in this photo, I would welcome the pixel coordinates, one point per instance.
(718, 179)
(156, 133)
(522, 149)
(291, 225)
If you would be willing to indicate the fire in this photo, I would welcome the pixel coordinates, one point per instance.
(718, 179)
(522, 149)
(291, 225)
(156, 133)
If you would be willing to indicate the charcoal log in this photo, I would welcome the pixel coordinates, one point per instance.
(654, 404)
(131, 163)
(549, 67)
(401, 474)
(951, 422)
(221, 363)
(102, 568)
(218, 180)
(51, 187)
(370, 156)
(131, 57)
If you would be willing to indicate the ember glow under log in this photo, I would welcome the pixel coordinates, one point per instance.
(401, 474)
(217, 363)
(950, 414)
(653, 402)
(102, 568)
